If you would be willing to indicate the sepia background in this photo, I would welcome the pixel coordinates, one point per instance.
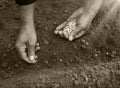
(88, 62)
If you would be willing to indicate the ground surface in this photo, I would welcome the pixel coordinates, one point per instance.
(90, 62)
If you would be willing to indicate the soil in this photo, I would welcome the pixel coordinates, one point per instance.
(92, 61)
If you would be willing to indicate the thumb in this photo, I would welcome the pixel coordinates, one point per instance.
(77, 13)
(73, 34)
(31, 51)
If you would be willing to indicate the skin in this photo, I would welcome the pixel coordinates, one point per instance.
(27, 38)
(26, 41)
(84, 17)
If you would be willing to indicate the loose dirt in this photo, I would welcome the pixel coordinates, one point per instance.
(92, 61)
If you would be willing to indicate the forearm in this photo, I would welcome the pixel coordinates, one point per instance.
(93, 6)
(27, 14)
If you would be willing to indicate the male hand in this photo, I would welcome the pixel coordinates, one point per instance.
(83, 21)
(26, 43)
(83, 18)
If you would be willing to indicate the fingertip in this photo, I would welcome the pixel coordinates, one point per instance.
(60, 33)
(32, 59)
(71, 38)
(61, 26)
(56, 32)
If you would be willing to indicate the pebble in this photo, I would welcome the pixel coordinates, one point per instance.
(9, 68)
(56, 86)
(4, 55)
(46, 42)
(83, 40)
(107, 53)
(38, 85)
(66, 11)
(83, 47)
(54, 23)
(9, 45)
(46, 28)
(96, 55)
(87, 43)
(4, 65)
(46, 62)
(16, 65)
(37, 44)
(61, 60)
(76, 82)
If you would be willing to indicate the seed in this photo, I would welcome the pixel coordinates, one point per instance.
(32, 58)
(69, 28)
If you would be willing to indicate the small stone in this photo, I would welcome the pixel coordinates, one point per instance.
(114, 52)
(4, 65)
(61, 60)
(107, 53)
(46, 62)
(56, 85)
(46, 28)
(87, 43)
(83, 40)
(83, 47)
(54, 23)
(4, 55)
(76, 82)
(38, 85)
(46, 42)
(66, 11)
(96, 55)
(9, 68)
(16, 65)
(75, 46)
(9, 45)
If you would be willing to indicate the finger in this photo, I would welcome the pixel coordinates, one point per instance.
(60, 27)
(23, 53)
(74, 33)
(80, 34)
(61, 33)
(31, 52)
(76, 14)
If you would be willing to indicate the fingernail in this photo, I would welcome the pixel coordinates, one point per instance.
(70, 38)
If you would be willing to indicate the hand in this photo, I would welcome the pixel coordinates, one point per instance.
(83, 21)
(26, 42)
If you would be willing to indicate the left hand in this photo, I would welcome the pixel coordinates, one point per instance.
(83, 20)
